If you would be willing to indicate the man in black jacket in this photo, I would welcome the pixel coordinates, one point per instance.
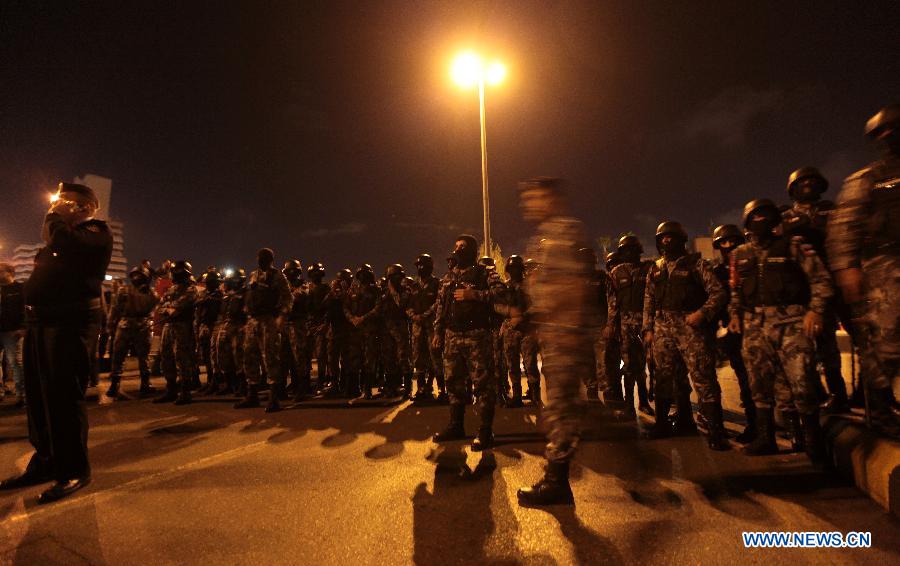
(63, 318)
(12, 328)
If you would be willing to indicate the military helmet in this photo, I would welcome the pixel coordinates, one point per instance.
(756, 205)
(236, 278)
(587, 256)
(887, 118)
(211, 277)
(671, 228)
(612, 260)
(804, 173)
(630, 241)
(315, 270)
(515, 262)
(182, 271)
(394, 270)
(424, 259)
(365, 274)
(139, 275)
(344, 274)
(487, 261)
(292, 268)
(725, 232)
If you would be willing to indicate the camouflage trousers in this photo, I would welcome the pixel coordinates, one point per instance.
(176, 352)
(468, 356)
(133, 335)
(337, 348)
(634, 357)
(296, 335)
(426, 361)
(498, 364)
(520, 347)
(228, 348)
(362, 355)
(880, 356)
(262, 347)
(679, 347)
(396, 347)
(780, 359)
(732, 344)
(204, 347)
(318, 348)
(568, 358)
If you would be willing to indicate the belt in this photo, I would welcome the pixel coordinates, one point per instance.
(62, 310)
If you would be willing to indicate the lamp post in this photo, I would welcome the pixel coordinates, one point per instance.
(468, 70)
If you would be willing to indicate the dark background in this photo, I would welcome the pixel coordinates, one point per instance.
(331, 130)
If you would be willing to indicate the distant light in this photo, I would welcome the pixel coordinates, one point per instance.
(229, 272)
(495, 73)
(109, 277)
(54, 197)
(467, 69)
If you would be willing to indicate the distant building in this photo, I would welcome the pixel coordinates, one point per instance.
(703, 246)
(23, 260)
(118, 264)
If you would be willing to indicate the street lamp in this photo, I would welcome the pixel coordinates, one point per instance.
(469, 70)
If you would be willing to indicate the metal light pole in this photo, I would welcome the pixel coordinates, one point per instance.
(468, 70)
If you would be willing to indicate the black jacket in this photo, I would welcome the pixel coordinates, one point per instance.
(12, 307)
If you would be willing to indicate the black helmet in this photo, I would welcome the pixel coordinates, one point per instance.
(315, 270)
(804, 173)
(488, 262)
(612, 259)
(672, 229)
(292, 268)
(182, 272)
(887, 118)
(515, 262)
(139, 275)
(365, 274)
(345, 275)
(756, 205)
(587, 256)
(424, 260)
(211, 278)
(394, 270)
(235, 279)
(726, 232)
(630, 241)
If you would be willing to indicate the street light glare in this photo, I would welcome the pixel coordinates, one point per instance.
(495, 73)
(466, 69)
(54, 197)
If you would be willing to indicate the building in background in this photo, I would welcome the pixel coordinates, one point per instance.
(23, 255)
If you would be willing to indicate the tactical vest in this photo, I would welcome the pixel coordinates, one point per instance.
(232, 310)
(299, 305)
(317, 306)
(682, 289)
(469, 315)
(810, 226)
(208, 307)
(390, 309)
(630, 282)
(172, 296)
(134, 303)
(262, 296)
(884, 225)
(424, 296)
(361, 300)
(774, 280)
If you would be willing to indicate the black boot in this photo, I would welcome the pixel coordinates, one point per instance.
(764, 443)
(812, 434)
(113, 391)
(455, 429)
(749, 432)
(881, 406)
(251, 399)
(275, 393)
(301, 390)
(534, 391)
(516, 400)
(715, 436)
(662, 428)
(553, 489)
(798, 440)
(629, 405)
(171, 393)
(485, 438)
(684, 418)
(146, 389)
(184, 398)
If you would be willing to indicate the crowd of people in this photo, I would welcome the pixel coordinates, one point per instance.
(784, 281)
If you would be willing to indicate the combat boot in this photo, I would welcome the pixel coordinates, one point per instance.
(146, 389)
(662, 428)
(184, 397)
(516, 400)
(881, 406)
(275, 392)
(749, 432)
(812, 433)
(592, 393)
(226, 387)
(455, 429)
(170, 395)
(113, 391)
(764, 443)
(251, 399)
(553, 489)
(629, 405)
(684, 417)
(534, 390)
(643, 402)
(485, 438)
(300, 391)
(798, 440)
(715, 436)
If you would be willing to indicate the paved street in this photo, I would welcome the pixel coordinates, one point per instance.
(323, 483)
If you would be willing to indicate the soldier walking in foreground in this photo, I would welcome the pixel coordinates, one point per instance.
(562, 311)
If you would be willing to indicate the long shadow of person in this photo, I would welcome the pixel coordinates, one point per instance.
(588, 546)
(44, 544)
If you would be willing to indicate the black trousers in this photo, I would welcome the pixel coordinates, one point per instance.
(58, 358)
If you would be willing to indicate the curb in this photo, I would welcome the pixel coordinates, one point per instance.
(870, 460)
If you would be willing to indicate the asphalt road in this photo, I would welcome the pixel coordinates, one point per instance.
(322, 483)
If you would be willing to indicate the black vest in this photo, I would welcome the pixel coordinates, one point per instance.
(777, 280)
(233, 308)
(680, 290)
(469, 315)
(299, 304)
(208, 307)
(262, 296)
(884, 233)
(630, 279)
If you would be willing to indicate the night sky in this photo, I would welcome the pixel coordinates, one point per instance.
(331, 130)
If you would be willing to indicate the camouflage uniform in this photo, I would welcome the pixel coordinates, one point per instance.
(520, 340)
(318, 329)
(337, 336)
(268, 297)
(129, 324)
(360, 308)
(675, 289)
(176, 313)
(599, 379)
(396, 343)
(206, 312)
(296, 336)
(228, 337)
(426, 361)
(626, 302)
(733, 342)
(864, 232)
(563, 310)
(773, 286)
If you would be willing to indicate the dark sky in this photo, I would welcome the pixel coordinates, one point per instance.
(331, 130)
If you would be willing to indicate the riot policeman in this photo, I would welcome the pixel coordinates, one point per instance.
(129, 324)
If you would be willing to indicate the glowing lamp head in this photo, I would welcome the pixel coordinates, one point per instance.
(229, 272)
(466, 69)
(54, 197)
